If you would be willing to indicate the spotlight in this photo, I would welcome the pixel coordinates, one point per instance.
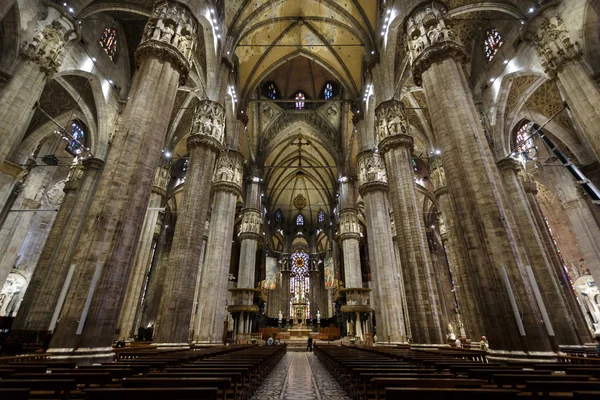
(531, 10)
(168, 154)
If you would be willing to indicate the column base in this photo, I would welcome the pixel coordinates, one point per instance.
(172, 346)
(84, 355)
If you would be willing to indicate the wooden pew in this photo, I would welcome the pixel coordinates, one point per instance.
(585, 395)
(519, 379)
(14, 394)
(547, 387)
(151, 394)
(449, 394)
(85, 379)
(237, 378)
(61, 387)
(222, 384)
(380, 385)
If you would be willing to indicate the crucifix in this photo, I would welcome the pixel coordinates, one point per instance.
(300, 142)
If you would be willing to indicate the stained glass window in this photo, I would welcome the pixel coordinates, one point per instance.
(525, 146)
(321, 217)
(278, 216)
(299, 282)
(300, 101)
(300, 220)
(493, 42)
(108, 41)
(272, 91)
(328, 91)
(75, 145)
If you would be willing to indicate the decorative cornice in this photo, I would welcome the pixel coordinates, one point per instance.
(436, 53)
(227, 187)
(208, 142)
(159, 191)
(396, 141)
(372, 187)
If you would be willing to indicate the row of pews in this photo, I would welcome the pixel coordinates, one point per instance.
(368, 373)
(212, 373)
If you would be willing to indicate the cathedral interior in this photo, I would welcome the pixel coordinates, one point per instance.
(380, 172)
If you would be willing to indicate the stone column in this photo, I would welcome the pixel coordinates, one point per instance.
(511, 316)
(464, 282)
(227, 186)
(42, 57)
(243, 308)
(177, 303)
(373, 186)
(574, 310)
(104, 256)
(145, 251)
(45, 293)
(561, 59)
(357, 297)
(397, 147)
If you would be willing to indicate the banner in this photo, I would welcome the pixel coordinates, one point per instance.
(271, 274)
(329, 273)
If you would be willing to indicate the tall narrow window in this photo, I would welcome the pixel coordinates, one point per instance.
(299, 220)
(493, 42)
(321, 217)
(300, 101)
(108, 41)
(75, 146)
(525, 146)
(272, 91)
(328, 91)
(278, 216)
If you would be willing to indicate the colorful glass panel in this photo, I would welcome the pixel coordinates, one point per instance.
(108, 41)
(493, 42)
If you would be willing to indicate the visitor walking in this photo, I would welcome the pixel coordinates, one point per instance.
(309, 344)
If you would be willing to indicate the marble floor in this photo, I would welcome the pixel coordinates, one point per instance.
(300, 376)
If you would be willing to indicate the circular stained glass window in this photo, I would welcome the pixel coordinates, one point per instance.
(299, 263)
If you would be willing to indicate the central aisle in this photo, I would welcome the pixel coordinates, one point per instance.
(300, 376)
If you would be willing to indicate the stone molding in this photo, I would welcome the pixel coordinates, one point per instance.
(530, 185)
(195, 141)
(441, 191)
(396, 141)
(391, 119)
(171, 34)
(251, 225)
(509, 163)
(159, 191)
(162, 176)
(371, 172)
(552, 41)
(46, 47)
(349, 227)
(228, 174)
(429, 40)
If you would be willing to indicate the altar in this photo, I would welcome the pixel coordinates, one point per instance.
(299, 332)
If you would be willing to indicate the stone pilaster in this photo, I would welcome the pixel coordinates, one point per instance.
(560, 58)
(373, 186)
(397, 147)
(45, 293)
(105, 254)
(556, 266)
(511, 317)
(4, 7)
(227, 186)
(143, 259)
(464, 284)
(42, 56)
(178, 296)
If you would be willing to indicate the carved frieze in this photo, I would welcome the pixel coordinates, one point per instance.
(391, 119)
(431, 39)
(251, 226)
(349, 227)
(171, 33)
(46, 47)
(371, 172)
(553, 43)
(229, 171)
(162, 175)
(208, 126)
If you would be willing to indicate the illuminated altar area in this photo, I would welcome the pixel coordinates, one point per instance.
(299, 294)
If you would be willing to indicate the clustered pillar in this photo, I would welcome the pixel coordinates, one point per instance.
(373, 187)
(204, 144)
(214, 284)
(243, 308)
(105, 253)
(397, 147)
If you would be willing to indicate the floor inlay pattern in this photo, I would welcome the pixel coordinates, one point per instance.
(300, 376)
